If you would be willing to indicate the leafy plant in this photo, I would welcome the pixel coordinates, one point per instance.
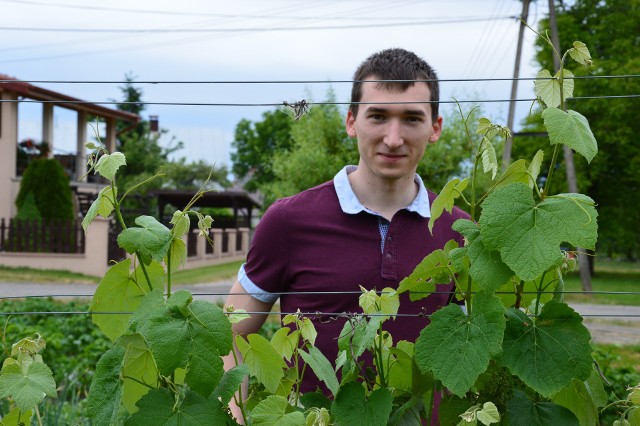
(515, 353)
(26, 379)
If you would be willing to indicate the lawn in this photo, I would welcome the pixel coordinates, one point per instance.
(205, 274)
(610, 276)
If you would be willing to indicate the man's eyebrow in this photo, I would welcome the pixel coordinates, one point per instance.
(380, 110)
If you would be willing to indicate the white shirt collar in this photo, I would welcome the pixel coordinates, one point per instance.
(351, 205)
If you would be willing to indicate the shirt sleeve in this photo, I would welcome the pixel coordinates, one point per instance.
(264, 274)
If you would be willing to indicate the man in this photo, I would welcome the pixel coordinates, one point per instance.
(368, 226)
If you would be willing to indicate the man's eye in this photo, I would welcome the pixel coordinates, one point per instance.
(377, 117)
(413, 119)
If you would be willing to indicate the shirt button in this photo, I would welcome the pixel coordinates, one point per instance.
(388, 256)
(389, 239)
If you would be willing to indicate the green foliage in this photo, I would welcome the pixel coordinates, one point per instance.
(255, 145)
(45, 180)
(318, 143)
(457, 347)
(515, 358)
(24, 377)
(604, 27)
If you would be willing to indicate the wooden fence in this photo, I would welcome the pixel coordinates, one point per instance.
(40, 236)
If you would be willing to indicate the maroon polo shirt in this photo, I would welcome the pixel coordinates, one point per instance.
(306, 243)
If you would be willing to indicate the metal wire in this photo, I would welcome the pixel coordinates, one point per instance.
(240, 104)
(441, 80)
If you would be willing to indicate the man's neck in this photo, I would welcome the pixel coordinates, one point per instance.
(385, 197)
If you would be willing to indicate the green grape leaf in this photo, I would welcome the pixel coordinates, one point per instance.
(547, 88)
(433, 269)
(488, 414)
(108, 164)
(105, 394)
(524, 412)
(118, 292)
(576, 398)
(517, 172)
(400, 371)
(16, 417)
(200, 334)
(488, 156)
(534, 167)
(272, 411)
(204, 224)
(549, 351)
(318, 417)
(580, 53)
(487, 128)
(572, 129)
(103, 205)
(444, 201)
(28, 345)
(321, 367)
(151, 240)
(159, 407)
(357, 335)
(27, 386)
(633, 416)
(351, 407)
(487, 268)
(181, 224)
(285, 342)
(307, 330)
(178, 253)
(138, 364)
(457, 347)
(263, 360)
(528, 234)
(230, 383)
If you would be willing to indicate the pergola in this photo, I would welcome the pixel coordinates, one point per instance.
(241, 202)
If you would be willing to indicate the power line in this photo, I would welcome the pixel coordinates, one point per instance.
(441, 80)
(200, 14)
(246, 29)
(271, 104)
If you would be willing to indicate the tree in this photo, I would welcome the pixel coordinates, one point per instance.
(132, 102)
(319, 148)
(255, 145)
(613, 177)
(45, 187)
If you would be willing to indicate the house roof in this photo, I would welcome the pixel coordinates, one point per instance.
(37, 93)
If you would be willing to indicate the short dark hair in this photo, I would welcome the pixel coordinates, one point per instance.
(395, 64)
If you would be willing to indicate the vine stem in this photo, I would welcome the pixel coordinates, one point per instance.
(519, 292)
(38, 416)
(116, 206)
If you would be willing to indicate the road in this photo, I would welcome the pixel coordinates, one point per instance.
(619, 324)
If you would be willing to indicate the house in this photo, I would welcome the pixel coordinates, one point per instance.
(90, 254)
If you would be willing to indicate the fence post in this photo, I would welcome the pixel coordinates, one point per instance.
(231, 241)
(217, 242)
(244, 240)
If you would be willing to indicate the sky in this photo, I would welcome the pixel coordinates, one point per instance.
(303, 48)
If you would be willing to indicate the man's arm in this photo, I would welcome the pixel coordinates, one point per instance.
(240, 299)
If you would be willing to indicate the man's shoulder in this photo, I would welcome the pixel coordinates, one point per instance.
(312, 198)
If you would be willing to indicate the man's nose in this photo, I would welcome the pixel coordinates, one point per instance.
(393, 138)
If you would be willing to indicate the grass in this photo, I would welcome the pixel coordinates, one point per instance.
(610, 275)
(205, 274)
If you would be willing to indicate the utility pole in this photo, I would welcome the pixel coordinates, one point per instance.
(506, 153)
(572, 183)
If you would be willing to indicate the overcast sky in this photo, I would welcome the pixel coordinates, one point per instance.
(262, 40)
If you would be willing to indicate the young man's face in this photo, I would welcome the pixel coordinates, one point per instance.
(392, 137)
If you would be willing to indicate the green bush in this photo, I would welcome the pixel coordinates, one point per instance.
(48, 183)
(74, 343)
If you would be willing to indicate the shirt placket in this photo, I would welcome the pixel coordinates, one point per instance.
(389, 267)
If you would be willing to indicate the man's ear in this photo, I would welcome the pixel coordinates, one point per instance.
(350, 124)
(437, 130)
